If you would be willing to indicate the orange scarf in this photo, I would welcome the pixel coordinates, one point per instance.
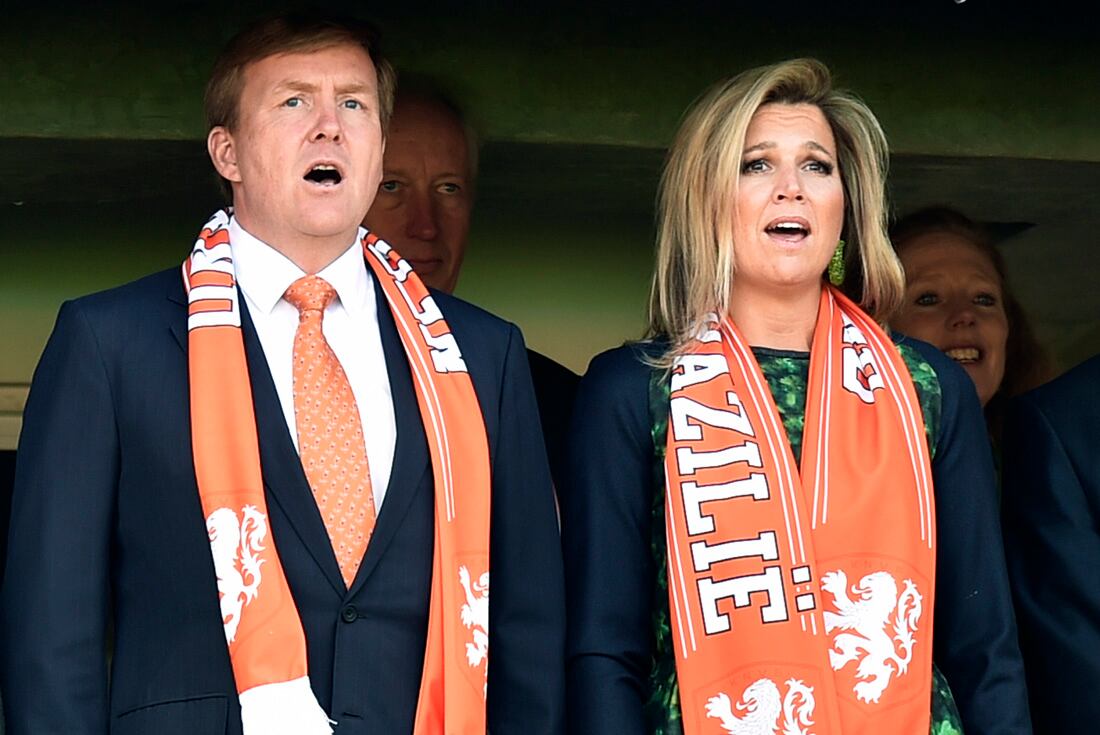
(267, 646)
(801, 599)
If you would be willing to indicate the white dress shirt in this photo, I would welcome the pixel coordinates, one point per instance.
(350, 326)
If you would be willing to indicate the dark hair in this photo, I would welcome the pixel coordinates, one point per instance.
(1027, 363)
(284, 34)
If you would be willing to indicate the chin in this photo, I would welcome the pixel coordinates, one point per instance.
(979, 385)
(797, 280)
(329, 223)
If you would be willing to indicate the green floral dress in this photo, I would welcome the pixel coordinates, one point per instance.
(787, 374)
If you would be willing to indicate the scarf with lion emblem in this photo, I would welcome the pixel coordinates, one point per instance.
(267, 645)
(801, 598)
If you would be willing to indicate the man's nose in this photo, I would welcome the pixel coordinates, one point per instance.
(421, 222)
(327, 125)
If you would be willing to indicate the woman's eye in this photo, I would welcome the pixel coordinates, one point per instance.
(754, 166)
(821, 167)
(985, 299)
(353, 104)
(927, 299)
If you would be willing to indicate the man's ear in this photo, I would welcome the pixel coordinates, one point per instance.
(223, 153)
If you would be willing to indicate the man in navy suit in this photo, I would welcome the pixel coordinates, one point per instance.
(1052, 539)
(107, 529)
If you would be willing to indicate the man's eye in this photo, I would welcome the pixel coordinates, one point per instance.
(756, 165)
(388, 186)
(927, 299)
(449, 188)
(353, 105)
(293, 102)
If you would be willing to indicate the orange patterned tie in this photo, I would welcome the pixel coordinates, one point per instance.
(330, 434)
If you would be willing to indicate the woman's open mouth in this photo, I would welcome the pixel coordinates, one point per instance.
(964, 355)
(788, 229)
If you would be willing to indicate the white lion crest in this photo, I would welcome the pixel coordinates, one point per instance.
(475, 616)
(859, 373)
(880, 656)
(762, 706)
(235, 545)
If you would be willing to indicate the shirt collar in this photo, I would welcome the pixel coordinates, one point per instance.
(264, 274)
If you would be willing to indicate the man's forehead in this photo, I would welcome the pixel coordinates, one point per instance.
(347, 62)
(417, 114)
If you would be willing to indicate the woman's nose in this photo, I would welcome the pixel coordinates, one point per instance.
(788, 187)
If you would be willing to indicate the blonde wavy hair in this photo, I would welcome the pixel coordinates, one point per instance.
(695, 266)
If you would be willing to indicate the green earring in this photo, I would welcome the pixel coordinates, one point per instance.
(836, 265)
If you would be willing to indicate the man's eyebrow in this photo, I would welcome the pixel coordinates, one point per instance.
(293, 85)
(353, 88)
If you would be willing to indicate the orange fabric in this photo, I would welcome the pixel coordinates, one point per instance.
(801, 598)
(330, 433)
(454, 683)
(266, 642)
(264, 634)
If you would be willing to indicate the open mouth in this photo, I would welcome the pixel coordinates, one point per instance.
(964, 355)
(324, 174)
(793, 229)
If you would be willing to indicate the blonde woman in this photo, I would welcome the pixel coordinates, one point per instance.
(777, 518)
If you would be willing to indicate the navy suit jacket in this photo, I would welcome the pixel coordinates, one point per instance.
(1052, 539)
(108, 548)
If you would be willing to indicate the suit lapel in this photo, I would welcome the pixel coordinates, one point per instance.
(411, 468)
(282, 470)
(283, 477)
(178, 321)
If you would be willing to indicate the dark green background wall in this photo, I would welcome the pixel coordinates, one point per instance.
(948, 79)
(988, 106)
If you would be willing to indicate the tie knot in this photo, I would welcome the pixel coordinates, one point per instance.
(310, 293)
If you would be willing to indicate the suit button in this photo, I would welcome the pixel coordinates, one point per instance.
(349, 614)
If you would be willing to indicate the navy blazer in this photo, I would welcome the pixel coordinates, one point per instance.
(108, 533)
(1052, 539)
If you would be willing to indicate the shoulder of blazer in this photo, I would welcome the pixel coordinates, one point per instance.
(484, 339)
(142, 293)
(1069, 406)
(1076, 392)
(465, 316)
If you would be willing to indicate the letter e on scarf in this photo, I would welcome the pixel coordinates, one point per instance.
(740, 590)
